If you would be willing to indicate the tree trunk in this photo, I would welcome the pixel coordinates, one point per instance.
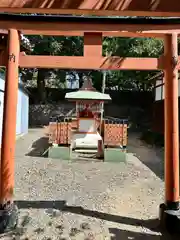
(62, 79)
(80, 74)
(41, 85)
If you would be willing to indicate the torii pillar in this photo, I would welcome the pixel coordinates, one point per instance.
(8, 210)
(170, 210)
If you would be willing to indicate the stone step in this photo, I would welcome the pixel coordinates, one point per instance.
(85, 151)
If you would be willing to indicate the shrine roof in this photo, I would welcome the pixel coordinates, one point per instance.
(87, 95)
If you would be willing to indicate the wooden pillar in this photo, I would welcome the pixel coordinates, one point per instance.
(93, 44)
(171, 123)
(9, 120)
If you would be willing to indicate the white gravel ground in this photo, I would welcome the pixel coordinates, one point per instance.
(86, 200)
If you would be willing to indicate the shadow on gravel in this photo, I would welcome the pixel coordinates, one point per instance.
(150, 156)
(123, 234)
(52, 207)
(39, 148)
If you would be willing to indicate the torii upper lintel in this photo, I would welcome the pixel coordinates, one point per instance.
(94, 7)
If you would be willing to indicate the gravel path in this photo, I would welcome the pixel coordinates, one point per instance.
(85, 200)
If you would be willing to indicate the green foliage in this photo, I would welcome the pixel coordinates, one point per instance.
(58, 45)
(51, 45)
(132, 47)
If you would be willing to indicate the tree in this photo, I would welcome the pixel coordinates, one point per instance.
(48, 45)
(132, 47)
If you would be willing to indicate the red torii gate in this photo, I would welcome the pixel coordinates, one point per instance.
(92, 59)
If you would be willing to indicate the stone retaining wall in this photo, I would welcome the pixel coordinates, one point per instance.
(39, 115)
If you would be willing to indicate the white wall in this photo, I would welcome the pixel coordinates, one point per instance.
(159, 91)
(72, 81)
(22, 109)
